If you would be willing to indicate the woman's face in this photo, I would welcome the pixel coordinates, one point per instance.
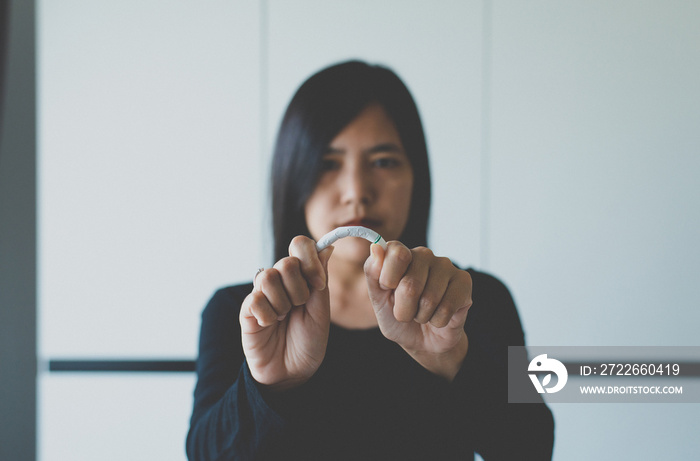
(366, 180)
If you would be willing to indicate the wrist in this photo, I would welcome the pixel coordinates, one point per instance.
(446, 363)
(281, 386)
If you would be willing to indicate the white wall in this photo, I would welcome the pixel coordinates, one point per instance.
(594, 197)
(148, 133)
(564, 149)
(595, 156)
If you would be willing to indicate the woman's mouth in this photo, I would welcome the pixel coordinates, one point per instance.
(370, 223)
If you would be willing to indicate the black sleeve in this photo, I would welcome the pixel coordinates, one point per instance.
(230, 418)
(498, 430)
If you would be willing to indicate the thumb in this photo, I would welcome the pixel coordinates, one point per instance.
(324, 256)
(373, 269)
(318, 304)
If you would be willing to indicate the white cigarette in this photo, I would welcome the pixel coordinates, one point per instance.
(350, 231)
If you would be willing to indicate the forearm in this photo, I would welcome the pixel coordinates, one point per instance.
(234, 427)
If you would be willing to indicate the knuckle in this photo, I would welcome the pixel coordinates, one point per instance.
(399, 251)
(256, 297)
(403, 254)
(268, 277)
(463, 283)
(288, 265)
(428, 302)
(446, 263)
(282, 309)
(255, 308)
(410, 288)
(261, 312)
(464, 277)
(423, 251)
(301, 296)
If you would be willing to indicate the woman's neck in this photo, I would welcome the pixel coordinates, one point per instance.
(350, 304)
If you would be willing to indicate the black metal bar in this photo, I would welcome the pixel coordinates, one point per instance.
(158, 366)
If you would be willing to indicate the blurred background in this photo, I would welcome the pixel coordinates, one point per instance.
(136, 136)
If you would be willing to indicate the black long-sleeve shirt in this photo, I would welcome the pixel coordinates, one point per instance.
(369, 399)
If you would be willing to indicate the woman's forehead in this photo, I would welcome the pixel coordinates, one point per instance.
(371, 126)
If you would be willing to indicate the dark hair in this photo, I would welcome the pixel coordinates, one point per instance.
(325, 104)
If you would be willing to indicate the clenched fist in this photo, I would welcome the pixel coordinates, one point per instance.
(286, 318)
(421, 302)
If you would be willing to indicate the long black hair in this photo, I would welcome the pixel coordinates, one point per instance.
(325, 104)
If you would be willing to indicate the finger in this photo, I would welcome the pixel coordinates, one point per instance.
(324, 256)
(270, 283)
(373, 269)
(454, 306)
(396, 261)
(441, 271)
(256, 312)
(459, 318)
(291, 282)
(318, 305)
(373, 264)
(304, 248)
(411, 288)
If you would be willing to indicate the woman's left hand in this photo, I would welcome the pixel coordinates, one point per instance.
(421, 302)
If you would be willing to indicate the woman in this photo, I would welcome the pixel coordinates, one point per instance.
(373, 353)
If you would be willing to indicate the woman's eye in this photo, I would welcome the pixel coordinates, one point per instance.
(386, 162)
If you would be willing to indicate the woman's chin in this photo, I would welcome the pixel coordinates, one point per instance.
(351, 249)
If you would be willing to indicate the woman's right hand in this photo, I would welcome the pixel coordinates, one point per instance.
(286, 318)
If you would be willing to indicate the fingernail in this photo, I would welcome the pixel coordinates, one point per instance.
(281, 317)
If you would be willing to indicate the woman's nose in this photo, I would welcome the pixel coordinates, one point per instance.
(356, 185)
